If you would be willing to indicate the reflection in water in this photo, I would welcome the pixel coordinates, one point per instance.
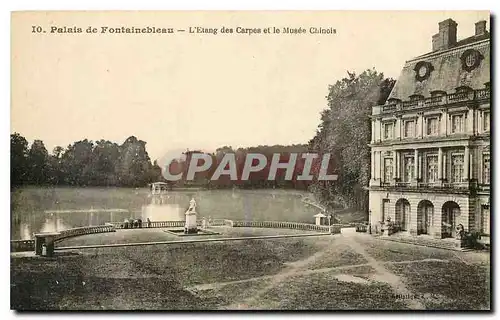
(162, 212)
(36, 209)
(25, 231)
(54, 224)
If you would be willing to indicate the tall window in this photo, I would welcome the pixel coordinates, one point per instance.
(388, 169)
(485, 220)
(486, 121)
(409, 128)
(388, 130)
(457, 168)
(457, 123)
(486, 168)
(432, 168)
(432, 126)
(409, 168)
(385, 209)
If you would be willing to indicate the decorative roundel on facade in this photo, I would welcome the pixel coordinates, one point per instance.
(471, 59)
(423, 70)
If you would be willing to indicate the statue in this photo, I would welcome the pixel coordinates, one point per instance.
(191, 226)
(460, 232)
(192, 205)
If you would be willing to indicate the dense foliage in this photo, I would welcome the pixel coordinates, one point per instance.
(345, 131)
(258, 179)
(83, 163)
(105, 163)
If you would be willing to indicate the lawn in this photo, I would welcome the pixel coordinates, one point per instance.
(321, 273)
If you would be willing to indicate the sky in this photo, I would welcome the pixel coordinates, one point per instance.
(200, 91)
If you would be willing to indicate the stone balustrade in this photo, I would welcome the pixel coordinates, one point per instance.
(29, 245)
(471, 95)
(22, 245)
(286, 225)
(150, 224)
(73, 232)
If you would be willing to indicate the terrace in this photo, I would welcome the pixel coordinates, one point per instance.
(419, 102)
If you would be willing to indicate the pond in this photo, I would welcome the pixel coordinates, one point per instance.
(52, 209)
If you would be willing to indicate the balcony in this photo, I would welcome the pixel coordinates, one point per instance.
(457, 97)
(461, 96)
(482, 94)
(448, 187)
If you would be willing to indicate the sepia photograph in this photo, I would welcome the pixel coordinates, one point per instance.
(250, 160)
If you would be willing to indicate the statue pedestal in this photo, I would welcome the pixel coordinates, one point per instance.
(190, 226)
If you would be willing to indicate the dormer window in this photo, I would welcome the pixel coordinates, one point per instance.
(416, 97)
(438, 93)
(393, 101)
(462, 89)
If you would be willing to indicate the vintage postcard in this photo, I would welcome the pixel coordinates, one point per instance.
(250, 160)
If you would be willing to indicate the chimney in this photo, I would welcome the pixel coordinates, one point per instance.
(447, 33)
(446, 37)
(436, 45)
(481, 28)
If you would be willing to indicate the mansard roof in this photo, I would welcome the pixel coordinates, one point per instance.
(447, 70)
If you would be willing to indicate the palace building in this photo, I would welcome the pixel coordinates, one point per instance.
(430, 145)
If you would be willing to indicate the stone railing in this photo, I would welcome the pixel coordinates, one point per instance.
(286, 225)
(361, 227)
(471, 95)
(22, 245)
(150, 224)
(29, 245)
(84, 230)
(214, 222)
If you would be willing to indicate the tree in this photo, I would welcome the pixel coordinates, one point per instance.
(105, 156)
(134, 163)
(18, 159)
(77, 163)
(345, 132)
(38, 163)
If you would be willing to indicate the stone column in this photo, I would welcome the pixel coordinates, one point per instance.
(380, 166)
(415, 165)
(472, 154)
(470, 121)
(394, 165)
(373, 131)
(444, 116)
(466, 163)
(398, 165)
(422, 124)
(440, 164)
(445, 168)
(372, 174)
(380, 130)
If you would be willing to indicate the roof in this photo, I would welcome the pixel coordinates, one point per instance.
(447, 73)
(319, 215)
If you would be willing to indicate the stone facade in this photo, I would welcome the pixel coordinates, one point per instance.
(430, 146)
